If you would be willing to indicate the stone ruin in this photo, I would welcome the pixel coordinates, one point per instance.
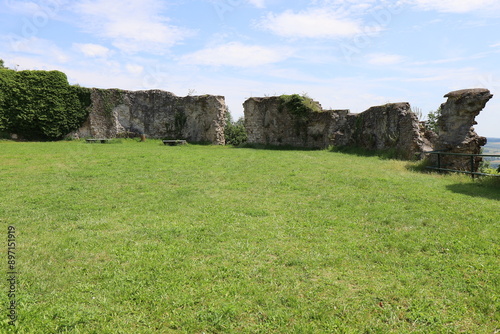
(455, 128)
(155, 114)
(391, 126)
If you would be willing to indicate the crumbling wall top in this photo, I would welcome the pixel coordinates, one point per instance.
(467, 92)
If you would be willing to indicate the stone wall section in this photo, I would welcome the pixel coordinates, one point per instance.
(155, 113)
(455, 127)
(268, 124)
(392, 126)
(389, 127)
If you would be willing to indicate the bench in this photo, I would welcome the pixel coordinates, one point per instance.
(174, 142)
(99, 140)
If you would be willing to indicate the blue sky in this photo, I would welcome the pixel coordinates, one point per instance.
(346, 54)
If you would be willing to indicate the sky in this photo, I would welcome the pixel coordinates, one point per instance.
(346, 54)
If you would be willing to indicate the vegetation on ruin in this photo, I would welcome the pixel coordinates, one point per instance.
(298, 105)
(110, 99)
(176, 128)
(40, 104)
(134, 237)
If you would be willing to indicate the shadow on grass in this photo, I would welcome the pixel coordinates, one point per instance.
(200, 143)
(487, 187)
(420, 166)
(382, 154)
(275, 147)
(391, 154)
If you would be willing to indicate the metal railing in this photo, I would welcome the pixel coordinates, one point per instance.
(472, 163)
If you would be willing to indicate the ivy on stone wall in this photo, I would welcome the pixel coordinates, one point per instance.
(110, 98)
(41, 105)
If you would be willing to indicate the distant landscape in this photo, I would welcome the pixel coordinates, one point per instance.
(493, 147)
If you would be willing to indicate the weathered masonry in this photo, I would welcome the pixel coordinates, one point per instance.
(391, 126)
(456, 127)
(156, 114)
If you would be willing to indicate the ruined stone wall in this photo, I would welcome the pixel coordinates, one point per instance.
(455, 127)
(157, 114)
(389, 127)
(392, 126)
(266, 123)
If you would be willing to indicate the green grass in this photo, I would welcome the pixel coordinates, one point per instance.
(136, 237)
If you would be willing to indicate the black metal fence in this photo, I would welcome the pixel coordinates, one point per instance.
(472, 163)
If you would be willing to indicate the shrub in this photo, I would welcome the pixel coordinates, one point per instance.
(41, 104)
(235, 132)
(298, 105)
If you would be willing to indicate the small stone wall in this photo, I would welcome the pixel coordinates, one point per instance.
(155, 113)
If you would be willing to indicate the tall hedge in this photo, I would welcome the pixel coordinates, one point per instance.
(41, 105)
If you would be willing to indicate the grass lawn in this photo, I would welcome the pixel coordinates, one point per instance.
(133, 237)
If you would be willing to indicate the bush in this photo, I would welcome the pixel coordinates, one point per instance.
(41, 105)
(298, 105)
(235, 132)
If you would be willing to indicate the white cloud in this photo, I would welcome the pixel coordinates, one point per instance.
(497, 45)
(314, 23)
(257, 3)
(21, 7)
(32, 8)
(453, 78)
(92, 50)
(133, 26)
(134, 69)
(34, 46)
(238, 55)
(457, 6)
(383, 59)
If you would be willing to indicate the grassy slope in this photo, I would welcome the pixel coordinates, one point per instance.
(142, 238)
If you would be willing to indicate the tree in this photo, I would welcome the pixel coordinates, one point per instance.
(2, 66)
(432, 120)
(235, 132)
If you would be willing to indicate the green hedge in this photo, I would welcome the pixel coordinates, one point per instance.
(41, 105)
